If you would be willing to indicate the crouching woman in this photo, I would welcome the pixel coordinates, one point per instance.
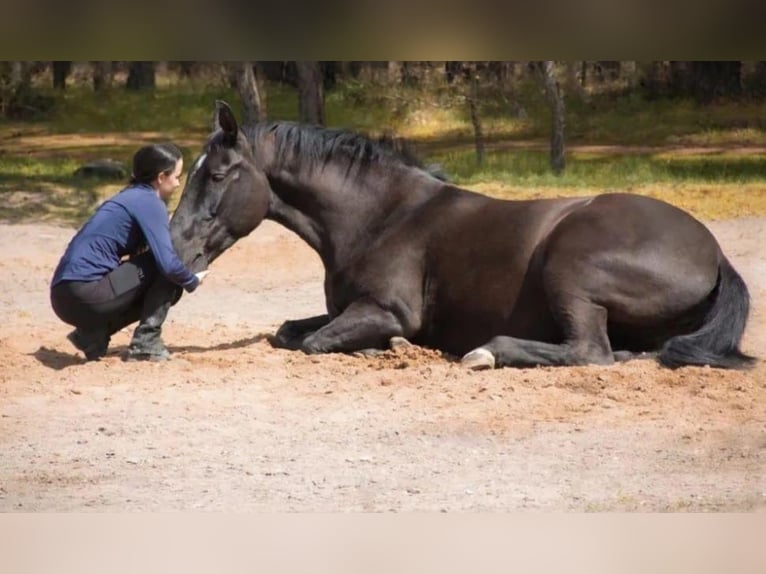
(121, 265)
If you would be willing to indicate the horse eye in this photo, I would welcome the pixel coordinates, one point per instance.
(217, 176)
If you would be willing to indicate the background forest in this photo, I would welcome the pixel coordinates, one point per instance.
(690, 132)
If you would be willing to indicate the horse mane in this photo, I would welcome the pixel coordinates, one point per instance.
(316, 145)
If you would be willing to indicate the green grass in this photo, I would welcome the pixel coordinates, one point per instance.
(171, 111)
(587, 170)
(15, 170)
(45, 189)
(36, 178)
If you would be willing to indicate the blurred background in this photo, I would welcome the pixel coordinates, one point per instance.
(690, 132)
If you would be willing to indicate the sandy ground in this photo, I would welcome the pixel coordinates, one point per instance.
(232, 424)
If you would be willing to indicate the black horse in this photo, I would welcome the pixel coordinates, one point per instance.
(518, 283)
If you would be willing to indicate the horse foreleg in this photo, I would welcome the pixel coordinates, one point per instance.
(292, 333)
(362, 326)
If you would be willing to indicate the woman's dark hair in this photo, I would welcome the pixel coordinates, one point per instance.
(152, 160)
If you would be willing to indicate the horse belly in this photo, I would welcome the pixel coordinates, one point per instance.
(463, 316)
(486, 280)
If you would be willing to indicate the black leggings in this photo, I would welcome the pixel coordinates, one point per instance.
(110, 303)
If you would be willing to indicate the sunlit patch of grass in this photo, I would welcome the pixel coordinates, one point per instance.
(630, 119)
(45, 201)
(46, 189)
(426, 122)
(531, 168)
(180, 109)
(707, 202)
(57, 169)
(722, 137)
(710, 186)
(435, 112)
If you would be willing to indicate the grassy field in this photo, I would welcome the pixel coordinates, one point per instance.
(707, 159)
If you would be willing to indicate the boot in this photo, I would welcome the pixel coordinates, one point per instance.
(93, 343)
(146, 344)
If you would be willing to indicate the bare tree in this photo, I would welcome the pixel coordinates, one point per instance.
(244, 78)
(573, 83)
(394, 70)
(140, 76)
(471, 73)
(102, 75)
(544, 72)
(16, 89)
(710, 80)
(61, 70)
(310, 92)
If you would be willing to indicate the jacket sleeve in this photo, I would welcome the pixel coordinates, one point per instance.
(152, 218)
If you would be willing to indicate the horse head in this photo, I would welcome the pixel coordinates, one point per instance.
(226, 195)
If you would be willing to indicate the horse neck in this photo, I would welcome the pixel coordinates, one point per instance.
(338, 215)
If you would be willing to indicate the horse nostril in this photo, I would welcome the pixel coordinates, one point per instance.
(198, 262)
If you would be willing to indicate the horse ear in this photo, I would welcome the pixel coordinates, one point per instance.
(225, 120)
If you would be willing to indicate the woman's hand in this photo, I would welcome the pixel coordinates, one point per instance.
(201, 275)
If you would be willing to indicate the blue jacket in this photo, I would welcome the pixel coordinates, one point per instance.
(132, 218)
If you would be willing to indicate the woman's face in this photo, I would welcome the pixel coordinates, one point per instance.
(167, 183)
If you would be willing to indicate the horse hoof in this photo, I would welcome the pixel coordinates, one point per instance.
(397, 343)
(366, 353)
(478, 359)
(281, 341)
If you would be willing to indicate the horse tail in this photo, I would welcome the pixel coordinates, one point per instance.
(716, 342)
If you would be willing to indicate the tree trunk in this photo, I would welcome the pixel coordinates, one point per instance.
(573, 83)
(756, 85)
(260, 83)
(472, 97)
(710, 80)
(394, 72)
(186, 69)
(409, 73)
(451, 70)
(704, 81)
(61, 71)
(350, 68)
(310, 92)
(679, 83)
(102, 75)
(247, 86)
(629, 72)
(652, 79)
(329, 74)
(607, 70)
(16, 97)
(506, 71)
(140, 76)
(555, 99)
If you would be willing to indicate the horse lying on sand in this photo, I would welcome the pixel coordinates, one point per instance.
(502, 283)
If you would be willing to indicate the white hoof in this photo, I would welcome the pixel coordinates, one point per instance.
(366, 353)
(399, 343)
(478, 359)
